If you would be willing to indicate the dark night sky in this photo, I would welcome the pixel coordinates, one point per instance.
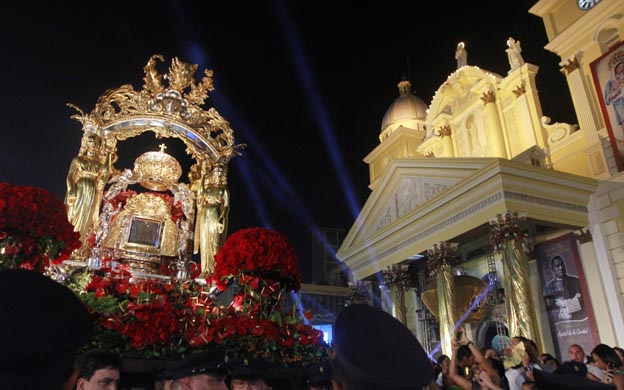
(304, 84)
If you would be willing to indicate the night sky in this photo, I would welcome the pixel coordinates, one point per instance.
(304, 84)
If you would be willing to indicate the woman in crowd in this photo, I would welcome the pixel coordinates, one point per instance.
(523, 371)
(608, 361)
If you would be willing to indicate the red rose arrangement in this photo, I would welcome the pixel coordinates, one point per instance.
(34, 229)
(160, 318)
(257, 254)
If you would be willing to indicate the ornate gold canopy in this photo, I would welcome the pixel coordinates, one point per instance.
(170, 106)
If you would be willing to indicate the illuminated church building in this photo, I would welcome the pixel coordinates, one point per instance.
(482, 183)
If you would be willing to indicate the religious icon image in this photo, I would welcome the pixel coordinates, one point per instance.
(563, 293)
(608, 72)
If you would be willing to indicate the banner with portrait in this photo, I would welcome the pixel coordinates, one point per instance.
(608, 73)
(565, 294)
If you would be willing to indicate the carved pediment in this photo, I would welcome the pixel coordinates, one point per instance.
(411, 193)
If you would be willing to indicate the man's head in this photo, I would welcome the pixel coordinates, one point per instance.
(249, 374)
(557, 264)
(465, 358)
(576, 353)
(198, 371)
(362, 334)
(98, 370)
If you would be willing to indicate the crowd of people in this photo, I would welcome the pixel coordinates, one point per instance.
(45, 329)
(520, 366)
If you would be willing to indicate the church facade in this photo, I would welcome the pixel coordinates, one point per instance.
(481, 159)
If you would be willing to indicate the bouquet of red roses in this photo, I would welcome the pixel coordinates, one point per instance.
(34, 229)
(256, 255)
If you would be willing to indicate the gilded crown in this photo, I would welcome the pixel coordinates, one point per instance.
(616, 59)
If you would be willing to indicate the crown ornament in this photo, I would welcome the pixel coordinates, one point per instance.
(168, 104)
(157, 170)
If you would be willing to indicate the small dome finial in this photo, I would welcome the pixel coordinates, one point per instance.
(404, 87)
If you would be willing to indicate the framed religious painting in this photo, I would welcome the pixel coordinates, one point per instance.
(608, 74)
(565, 295)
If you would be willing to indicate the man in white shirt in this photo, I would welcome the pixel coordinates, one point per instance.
(577, 354)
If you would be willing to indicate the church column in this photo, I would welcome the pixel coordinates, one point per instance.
(441, 259)
(493, 124)
(398, 280)
(581, 99)
(509, 239)
(447, 142)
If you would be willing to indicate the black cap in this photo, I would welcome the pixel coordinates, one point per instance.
(198, 363)
(319, 374)
(558, 381)
(43, 324)
(249, 368)
(572, 368)
(363, 333)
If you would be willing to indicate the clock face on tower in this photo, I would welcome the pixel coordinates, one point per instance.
(587, 4)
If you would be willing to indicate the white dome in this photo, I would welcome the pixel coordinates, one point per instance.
(406, 107)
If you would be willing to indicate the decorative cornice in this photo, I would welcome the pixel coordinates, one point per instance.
(519, 90)
(570, 66)
(488, 97)
(445, 131)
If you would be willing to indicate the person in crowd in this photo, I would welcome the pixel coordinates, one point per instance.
(481, 370)
(197, 371)
(443, 379)
(529, 362)
(528, 385)
(620, 353)
(490, 353)
(362, 334)
(44, 324)
(98, 370)
(462, 362)
(549, 362)
(318, 376)
(577, 354)
(249, 374)
(608, 361)
(571, 375)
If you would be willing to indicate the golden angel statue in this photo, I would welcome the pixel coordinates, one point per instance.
(213, 205)
(87, 176)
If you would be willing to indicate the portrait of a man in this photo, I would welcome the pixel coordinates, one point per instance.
(563, 293)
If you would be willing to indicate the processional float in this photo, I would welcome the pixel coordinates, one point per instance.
(153, 231)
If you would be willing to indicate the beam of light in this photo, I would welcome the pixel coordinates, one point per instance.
(275, 181)
(312, 304)
(265, 163)
(320, 112)
(295, 298)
